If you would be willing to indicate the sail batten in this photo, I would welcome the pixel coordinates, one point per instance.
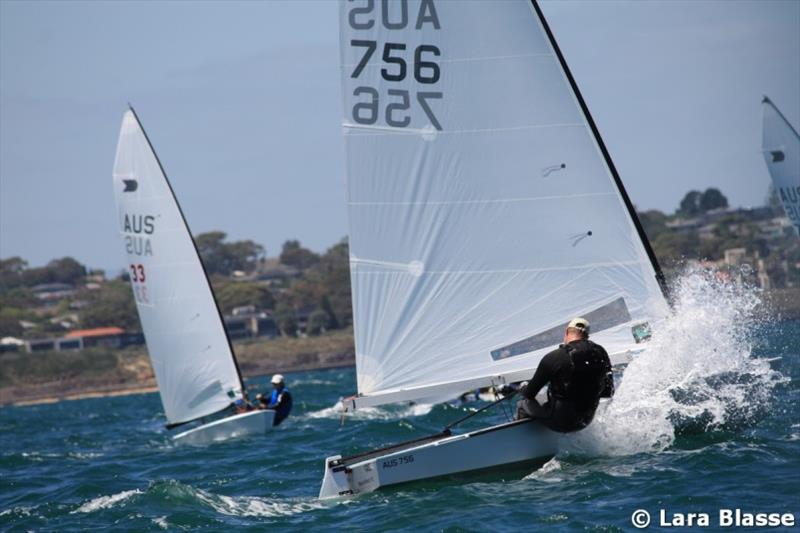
(484, 211)
(191, 355)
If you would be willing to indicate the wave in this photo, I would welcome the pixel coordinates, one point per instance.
(697, 375)
(255, 506)
(373, 413)
(174, 493)
(104, 502)
(548, 473)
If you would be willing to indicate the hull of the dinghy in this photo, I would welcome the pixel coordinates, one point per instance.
(245, 424)
(494, 447)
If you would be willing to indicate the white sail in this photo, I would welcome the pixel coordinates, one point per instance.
(780, 144)
(483, 213)
(188, 346)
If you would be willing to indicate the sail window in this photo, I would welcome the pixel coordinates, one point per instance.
(604, 317)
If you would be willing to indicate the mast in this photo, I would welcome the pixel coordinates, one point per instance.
(203, 266)
(606, 155)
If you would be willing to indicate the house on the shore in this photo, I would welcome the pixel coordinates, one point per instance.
(108, 337)
(247, 322)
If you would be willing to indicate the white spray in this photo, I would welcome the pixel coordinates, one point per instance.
(697, 375)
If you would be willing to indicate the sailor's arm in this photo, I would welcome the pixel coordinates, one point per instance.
(544, 373)
(608, 380)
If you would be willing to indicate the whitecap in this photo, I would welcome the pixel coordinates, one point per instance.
(255, 506)
(373, 413)
(20, 511)
(547, 473)
(84, 455)
(312, 381)
(104, 502)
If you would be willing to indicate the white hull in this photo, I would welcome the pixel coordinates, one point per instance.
(245, 424)
(496, 446)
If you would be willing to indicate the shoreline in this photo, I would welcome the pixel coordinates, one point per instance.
(85, 395)
(132, 373)
(107, 392)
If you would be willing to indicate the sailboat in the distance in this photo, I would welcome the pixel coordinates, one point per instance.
(780, 144)
(191, 354)
(485, 212)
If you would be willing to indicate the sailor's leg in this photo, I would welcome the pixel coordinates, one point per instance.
(565, 418)
(529, 409)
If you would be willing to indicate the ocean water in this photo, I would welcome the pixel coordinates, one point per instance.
(708, 418)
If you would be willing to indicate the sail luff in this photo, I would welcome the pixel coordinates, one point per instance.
(194, 244)
(659, 274)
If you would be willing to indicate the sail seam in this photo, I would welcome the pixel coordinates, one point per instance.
(495, 201)
(385, 130)
(459, 59)
(498, 271)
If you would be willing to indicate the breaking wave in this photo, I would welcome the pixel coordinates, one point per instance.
(176, 493)
(697, 375)
(104, 502)
(373, 413)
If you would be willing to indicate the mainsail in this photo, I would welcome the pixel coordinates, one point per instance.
(192, 358)
(780, 144)
(484, 210)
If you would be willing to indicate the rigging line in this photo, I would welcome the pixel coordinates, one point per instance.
(449, 426)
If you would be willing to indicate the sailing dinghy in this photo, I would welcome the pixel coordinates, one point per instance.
(189, 348)
(485, 213)
(780, 145)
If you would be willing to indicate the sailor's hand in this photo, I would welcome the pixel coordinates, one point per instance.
(505, 389)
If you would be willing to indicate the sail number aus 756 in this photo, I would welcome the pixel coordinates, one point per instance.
(425, 70)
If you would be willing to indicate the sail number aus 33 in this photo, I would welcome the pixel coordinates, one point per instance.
(138, 279)
(398, 63)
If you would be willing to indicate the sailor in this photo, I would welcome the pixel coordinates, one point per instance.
(241, 406)
(578, 373)
(280, 400)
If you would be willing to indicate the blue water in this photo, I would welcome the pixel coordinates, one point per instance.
(108, 463)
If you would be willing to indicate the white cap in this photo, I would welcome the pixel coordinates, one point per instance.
(581, 324)
(277, 378)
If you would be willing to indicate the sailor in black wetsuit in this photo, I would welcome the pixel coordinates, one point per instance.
(579, 374)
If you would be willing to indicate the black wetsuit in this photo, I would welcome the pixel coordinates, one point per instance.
(579, 374)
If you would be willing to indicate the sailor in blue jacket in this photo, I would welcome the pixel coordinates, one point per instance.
(280, 400)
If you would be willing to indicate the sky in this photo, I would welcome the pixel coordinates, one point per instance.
(242, 103)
